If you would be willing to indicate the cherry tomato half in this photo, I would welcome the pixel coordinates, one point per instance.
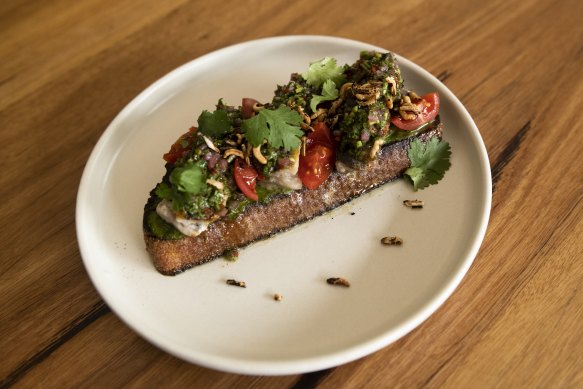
(181, 146)
(316, 165)
(247, 107)
(246, 179)
(318, 162)
(429, 105)
(321, 134)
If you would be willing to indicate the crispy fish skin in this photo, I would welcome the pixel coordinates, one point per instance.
(258, 221)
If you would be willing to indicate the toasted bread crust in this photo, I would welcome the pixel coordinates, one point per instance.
(259, 221)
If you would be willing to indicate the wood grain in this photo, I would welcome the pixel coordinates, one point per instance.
(69, 67)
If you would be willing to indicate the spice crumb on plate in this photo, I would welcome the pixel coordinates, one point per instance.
(415, 204)
(339, 281)
(240, 284)
(392, 241)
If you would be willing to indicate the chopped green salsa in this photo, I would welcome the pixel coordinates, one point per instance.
(228, 162)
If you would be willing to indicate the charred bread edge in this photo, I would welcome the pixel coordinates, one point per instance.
(152, 241)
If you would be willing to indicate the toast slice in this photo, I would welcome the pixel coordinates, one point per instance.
(284, 211)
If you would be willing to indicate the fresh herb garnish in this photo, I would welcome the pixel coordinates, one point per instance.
(329, 92)
(161, 228)
(429, 162)
(164, 191)
(190, 178)
(280, 127)
(325, 69)
(214, 124)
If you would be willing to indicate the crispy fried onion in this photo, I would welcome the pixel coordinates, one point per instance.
(247, 153)
(393, 83)
(344, 88)
(304, 115)
(235, 152)
(320, 114)
(408, 110)
(305, 124)
(210, 144)
(258, 156)
(217, 184)
(376, 147)
(366, 94)
(329, 115)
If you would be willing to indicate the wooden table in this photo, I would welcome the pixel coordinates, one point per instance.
(68, 67)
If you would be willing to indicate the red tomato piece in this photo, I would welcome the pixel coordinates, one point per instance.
(318, 162)
(321, 134)
(181, 146)
(247, 107)
(246, 179)
(429, 105)
(316, 166)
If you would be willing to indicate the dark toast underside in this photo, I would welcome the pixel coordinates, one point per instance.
(283, 212)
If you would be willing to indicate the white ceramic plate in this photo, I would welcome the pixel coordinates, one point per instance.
(195, 315)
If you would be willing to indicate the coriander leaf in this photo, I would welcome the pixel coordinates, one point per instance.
(329, 92)
(163, 191)
(415, 174)
(281, 128)
(190, 179)
(429, 162)
(256, 130)
(214, 124)
(161, 228)
(320, 71)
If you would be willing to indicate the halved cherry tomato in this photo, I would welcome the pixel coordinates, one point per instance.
(316, 165)
(318, 162)
(429, 105)
(246, 179)
(247, 107)
(181, 146)
(321, 134)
